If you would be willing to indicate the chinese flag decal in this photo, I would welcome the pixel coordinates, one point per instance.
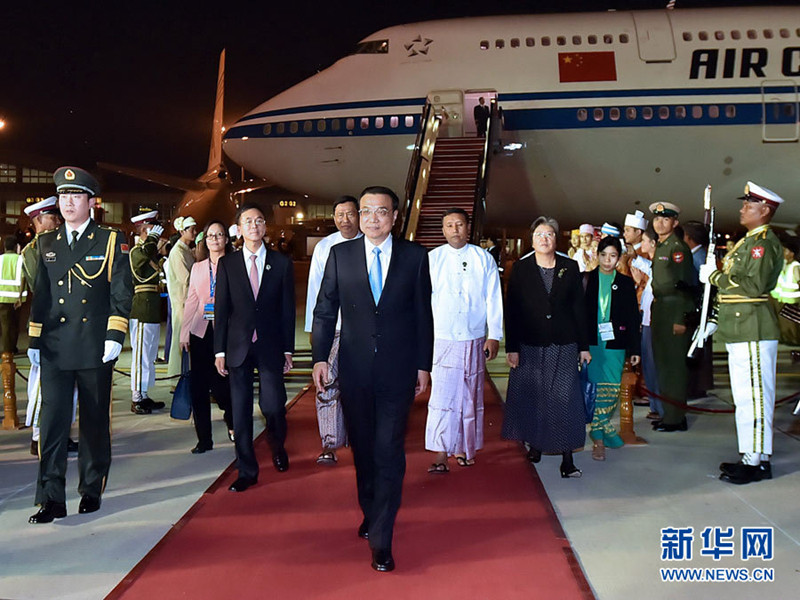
(757, 252)
(586, 66)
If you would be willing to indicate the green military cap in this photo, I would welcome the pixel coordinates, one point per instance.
(664, 209)
(75, 180)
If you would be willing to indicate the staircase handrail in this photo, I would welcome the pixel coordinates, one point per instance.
(416, 183)
(479, 206)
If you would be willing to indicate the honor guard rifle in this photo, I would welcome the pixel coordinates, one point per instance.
(699, 337)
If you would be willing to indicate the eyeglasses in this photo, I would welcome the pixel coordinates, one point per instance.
(544, 235)
(215, 236)
(379, 212)
(257, 222)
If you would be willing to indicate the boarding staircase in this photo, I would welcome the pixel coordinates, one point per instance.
(446, 173)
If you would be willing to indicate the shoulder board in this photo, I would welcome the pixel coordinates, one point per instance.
(107, 228)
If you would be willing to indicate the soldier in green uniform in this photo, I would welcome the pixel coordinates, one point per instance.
(673, 278)
(145, 323)
(749, 328)
(79, 317)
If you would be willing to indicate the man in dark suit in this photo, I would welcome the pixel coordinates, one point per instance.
(383, 288)
(254, 316)
(81, 301)
(481, 115)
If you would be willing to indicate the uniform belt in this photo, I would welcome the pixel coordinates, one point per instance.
(738, 299)
(145, 288)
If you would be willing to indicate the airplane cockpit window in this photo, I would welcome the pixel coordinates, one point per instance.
(583, 114)
(484, 44)
(768, 34)
(499, 44)
(592, 39)
(515, 42)
(703, 36)
(373, 47)
(785, 33)
(530, 42)
(687, 36)
(736, 34)
(576, 40)
(614, 114)
(545, 41)
(719, 35)
(624, 38)
(752, 34)
(394, 122)
(561, 40)
(268, 129)
(647, 113)
(608, 39)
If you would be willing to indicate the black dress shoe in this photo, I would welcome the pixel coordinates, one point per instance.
(765, 467)
(382, 560)
(682, 425)
(200, 448)
(281, 461)
(363, 530)
(138, 408)
(570, 471)
(49, 511)
(88, 504)
(741, 474)
(152, 404)
(242, 484)
(72, 445)
(534, 456)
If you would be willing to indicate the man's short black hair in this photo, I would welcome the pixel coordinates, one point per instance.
(249, 206)
(10, 243)
(456, 211)
(344, 200)
(696, 231)
(379, 189)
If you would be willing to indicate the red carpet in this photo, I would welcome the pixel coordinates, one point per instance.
(486, 531)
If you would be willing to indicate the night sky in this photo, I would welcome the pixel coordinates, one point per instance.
(134, 84)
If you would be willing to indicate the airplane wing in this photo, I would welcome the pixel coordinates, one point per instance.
(172, 181)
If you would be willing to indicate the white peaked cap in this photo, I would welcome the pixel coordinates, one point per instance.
(33, 210)
(636, 220)
(755, 193)
(148, 216)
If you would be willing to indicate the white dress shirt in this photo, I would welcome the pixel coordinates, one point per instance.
(385, 256)
(317, 269)
(261, 259)
(80, 229)
(466, 297)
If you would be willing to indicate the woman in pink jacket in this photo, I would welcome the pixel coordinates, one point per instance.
(197, 337)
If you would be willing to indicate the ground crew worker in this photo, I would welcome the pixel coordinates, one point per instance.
(749, 328)
(145, 320)
(79, 317)
(673, 278)
(13, 293)
(787, 291)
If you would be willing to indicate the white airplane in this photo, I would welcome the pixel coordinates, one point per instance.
(602, 112)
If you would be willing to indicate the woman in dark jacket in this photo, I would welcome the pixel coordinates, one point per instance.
(612, 317)
(545, 339)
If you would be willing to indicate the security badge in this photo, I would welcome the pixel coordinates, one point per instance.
(50, 257)
(606, 331)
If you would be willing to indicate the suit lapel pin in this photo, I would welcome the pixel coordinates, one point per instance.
(268, 267)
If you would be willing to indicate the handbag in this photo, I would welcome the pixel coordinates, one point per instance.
(589, 391)
(790, 312)
(182, 398)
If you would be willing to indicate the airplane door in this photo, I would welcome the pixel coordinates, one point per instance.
(780, 111)
(449, 104)
(654, 36)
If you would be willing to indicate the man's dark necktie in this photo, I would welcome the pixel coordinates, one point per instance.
(74, 240)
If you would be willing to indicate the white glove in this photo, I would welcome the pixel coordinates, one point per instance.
(33, 356)
(711, 329)
(706, 269)
(111, 350)
(156, 230)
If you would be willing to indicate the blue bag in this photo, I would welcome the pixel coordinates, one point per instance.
(182, 398)
(589, 391)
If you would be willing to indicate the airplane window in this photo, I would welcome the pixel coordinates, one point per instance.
(281, 128)
(592, 39)
(499, 43)
(350, 124)
(307, 126)
(484, 44)
(703, 35)
(768, 34)
(785, 33)
(697, 112)
(336, 125)
(719, 35)
(409, 121)
(378, 122)
(321, 125)
(630, 113)
(583, 114)
(267, 128)
(293, 127)
(598, 114)
(647, 113)
(561, 40)
(680, 112)
(373, 47)
(663, 112)
(515, 42)
(736, 34)
(545, 41)
(576, 40)
(713, 111)
(529, 42)
(687, 36)
(730, 111)
(608, 39)
(365, 123)
(752, 34)
(394, 122)
(614, 114)
(624, 39)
